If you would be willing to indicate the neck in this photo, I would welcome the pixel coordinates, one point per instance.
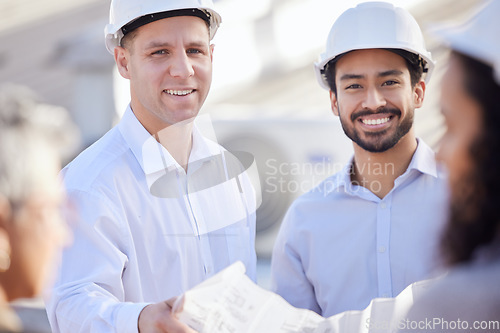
(177, 140)
(378, 171)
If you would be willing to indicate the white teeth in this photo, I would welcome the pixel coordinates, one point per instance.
(375, 121)
(179, 92)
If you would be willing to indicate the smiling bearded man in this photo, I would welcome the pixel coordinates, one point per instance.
(361, 233)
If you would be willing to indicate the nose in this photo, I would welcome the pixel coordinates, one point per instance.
(373, 99)
(181, 66)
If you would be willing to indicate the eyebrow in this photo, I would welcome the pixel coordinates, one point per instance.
(155, 44)
(392, 72)
(351, 76)
(381, 74)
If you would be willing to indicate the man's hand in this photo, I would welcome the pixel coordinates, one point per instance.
(158, 318)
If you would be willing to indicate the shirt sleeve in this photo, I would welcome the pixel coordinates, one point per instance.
(288, 274)
(88, 295)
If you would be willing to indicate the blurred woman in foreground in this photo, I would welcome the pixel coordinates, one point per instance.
(469, 296)
(31, 229)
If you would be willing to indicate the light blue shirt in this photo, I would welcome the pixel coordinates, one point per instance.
(340, 245)
(146, 230)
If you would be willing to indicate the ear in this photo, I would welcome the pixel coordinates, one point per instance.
(334, 103)
(419, 94)
(122, 56)
(212, 46)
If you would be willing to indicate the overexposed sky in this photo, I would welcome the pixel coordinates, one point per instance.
(300, 29)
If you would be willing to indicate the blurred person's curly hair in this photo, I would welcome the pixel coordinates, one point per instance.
(474, 222)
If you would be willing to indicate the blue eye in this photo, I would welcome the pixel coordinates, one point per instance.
(194, 51)
(160, 52)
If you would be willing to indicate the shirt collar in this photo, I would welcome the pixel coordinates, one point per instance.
(423, 161)
(202, 147)
(150, 154)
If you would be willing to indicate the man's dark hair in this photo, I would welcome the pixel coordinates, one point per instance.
(474, 220)
(414, 63)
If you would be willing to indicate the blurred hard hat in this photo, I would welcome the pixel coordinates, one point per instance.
(124, 12)
(478, 37)
(374, 25)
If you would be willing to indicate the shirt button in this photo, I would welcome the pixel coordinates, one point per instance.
(208, 269)
(383, 205)
(381, 249)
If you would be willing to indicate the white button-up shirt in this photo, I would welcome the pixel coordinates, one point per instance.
(340, 245)
(147, 230)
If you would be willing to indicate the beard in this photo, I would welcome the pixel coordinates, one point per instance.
(378, 142)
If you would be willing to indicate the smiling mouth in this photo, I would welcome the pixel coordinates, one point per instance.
(379, 121)
(179, 92)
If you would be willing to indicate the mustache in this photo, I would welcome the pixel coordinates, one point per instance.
(388, 111)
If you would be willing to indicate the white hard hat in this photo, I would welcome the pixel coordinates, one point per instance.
(123, 12)
(479, 37)
(374, 25)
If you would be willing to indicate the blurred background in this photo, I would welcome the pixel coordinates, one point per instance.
(264, 98)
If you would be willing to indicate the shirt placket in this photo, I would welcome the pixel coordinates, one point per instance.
(383, 250)
(195, 214)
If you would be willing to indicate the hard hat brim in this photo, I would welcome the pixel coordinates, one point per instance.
(319, 66)
(113, 32)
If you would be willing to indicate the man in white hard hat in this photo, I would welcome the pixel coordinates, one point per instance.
(373, 228)
(161, 208)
